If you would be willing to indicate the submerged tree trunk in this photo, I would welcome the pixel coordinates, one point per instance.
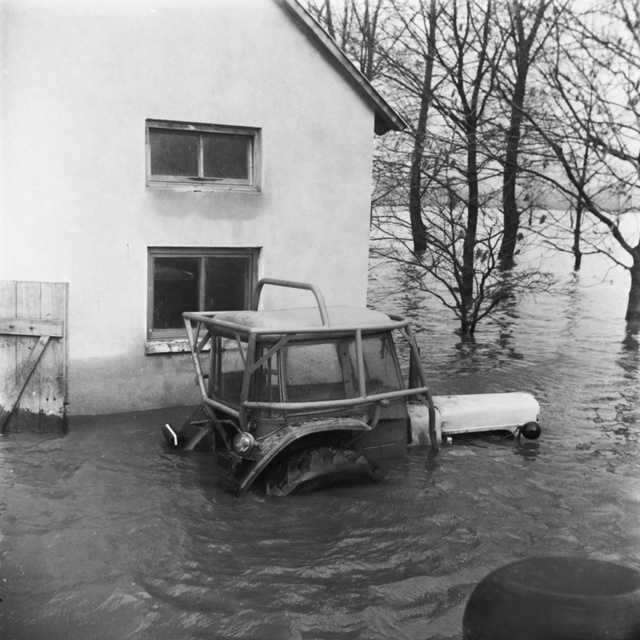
(577, 232)
(418, 227)
(472, 117)
(467, 279)
(511, 213)
(524, 60)
(633, 305)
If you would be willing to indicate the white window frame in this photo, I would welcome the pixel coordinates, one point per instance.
(175, 340)
(202, 183)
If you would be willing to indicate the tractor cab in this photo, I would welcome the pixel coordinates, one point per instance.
(295, 399)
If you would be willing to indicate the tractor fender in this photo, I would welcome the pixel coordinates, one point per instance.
(278, 441)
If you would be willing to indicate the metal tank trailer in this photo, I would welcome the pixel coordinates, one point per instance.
(298, 399)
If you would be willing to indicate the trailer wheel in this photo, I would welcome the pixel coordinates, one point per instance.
(319, 468)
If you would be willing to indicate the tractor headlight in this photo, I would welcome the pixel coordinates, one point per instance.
(243, 443)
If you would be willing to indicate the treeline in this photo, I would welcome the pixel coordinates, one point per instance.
(523, 125)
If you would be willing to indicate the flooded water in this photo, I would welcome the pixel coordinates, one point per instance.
(108, 535)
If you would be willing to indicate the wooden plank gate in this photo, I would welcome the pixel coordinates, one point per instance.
(33, 356)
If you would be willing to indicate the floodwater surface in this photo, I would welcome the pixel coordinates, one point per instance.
(106, 534)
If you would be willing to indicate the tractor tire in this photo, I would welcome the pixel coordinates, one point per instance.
(319, 468)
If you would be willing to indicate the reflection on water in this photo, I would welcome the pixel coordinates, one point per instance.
(106, 534)
(528, 450)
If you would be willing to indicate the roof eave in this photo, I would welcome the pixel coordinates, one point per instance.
(386, 118)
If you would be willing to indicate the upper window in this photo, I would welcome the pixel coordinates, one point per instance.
(197, 280)
(203, 156)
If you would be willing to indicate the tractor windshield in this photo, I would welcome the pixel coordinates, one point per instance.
(328, 370)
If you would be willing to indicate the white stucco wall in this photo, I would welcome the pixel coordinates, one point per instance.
(79, 81)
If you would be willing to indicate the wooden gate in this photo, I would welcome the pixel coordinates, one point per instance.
(33, 356)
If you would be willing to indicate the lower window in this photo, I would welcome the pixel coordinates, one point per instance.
(190, 279)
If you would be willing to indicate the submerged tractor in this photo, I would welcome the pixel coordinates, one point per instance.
(297, 399)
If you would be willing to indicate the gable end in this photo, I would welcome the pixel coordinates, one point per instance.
(386, 118)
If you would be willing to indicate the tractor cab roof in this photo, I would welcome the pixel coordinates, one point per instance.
(319, 322)
(285, 320)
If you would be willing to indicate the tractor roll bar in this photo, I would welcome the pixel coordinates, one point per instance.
(334, 404)
(322, 307)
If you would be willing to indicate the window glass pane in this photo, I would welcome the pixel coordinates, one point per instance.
(266, 380)
(226, 156)
(227, 280)
(229, 370)
(314, 372)
(175, 289)
(173, 153)
(381, 373)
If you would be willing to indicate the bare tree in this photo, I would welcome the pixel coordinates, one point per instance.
(410, 69)
(355, 25)
(592, 126)
(461, 72)
(441, 270)
(446, 65)
(524, 45)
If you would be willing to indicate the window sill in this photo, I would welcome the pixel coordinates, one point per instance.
(176, 345)
(203, 186)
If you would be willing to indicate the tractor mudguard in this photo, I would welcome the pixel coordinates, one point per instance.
(277, 442)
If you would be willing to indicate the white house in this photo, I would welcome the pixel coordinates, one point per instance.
(161, 156)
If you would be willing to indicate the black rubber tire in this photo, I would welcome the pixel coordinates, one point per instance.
(555, 598)
(319, 468)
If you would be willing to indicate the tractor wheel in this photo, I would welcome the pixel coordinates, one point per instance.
(318, 468)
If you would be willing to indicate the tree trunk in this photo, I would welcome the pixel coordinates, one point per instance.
(510, 209)
(577, 231)
(328, 16)
(418, 228)
(524, 59)
(468, 253)
(633, 306)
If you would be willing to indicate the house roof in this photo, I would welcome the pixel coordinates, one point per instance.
(387, 119)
